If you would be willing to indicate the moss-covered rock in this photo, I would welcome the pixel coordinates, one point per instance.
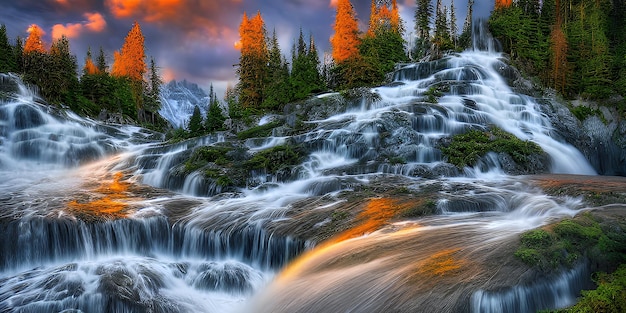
(468, 148)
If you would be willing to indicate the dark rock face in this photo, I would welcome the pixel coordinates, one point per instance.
(603, 144)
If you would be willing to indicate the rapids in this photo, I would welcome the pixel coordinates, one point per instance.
(98, 218)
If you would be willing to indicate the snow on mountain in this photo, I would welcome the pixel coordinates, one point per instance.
(178, 98)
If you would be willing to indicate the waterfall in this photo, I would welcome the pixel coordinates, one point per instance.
(99, 218)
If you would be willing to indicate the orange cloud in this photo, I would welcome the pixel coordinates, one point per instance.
(197, 20)
(333, 3)
(95, 22)
(67, 30)
(151, 11)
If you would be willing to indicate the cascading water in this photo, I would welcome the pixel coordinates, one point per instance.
(85, 227)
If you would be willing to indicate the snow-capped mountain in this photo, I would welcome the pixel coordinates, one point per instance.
(178, 98)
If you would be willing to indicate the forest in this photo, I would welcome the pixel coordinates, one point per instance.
(578, 48)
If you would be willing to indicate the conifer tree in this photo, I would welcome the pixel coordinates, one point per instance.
(90, 68)
(277, 89)
(305, 77)
(215, 119)
(345, 41)
(453, 27)
(195, 126)
(152, 101)
(18, 55)
(253, 61)
(7, 61)
(34, 42)
(130, 61)
(423, 15)
(503, 4)
(101, 62)
(441, 39)
(465, 39)
(64, 67)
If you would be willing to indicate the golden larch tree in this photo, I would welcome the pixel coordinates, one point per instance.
(90, 67)
(130, 61)
(34, 42)
(345, 41)
(382, 17)
(502, 4)
(253, 61)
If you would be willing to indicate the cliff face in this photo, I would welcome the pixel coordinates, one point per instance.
(601, 136)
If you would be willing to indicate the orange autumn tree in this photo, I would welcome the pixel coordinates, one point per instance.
(345, 42)
(382, 17)
(253, 61)
(34, 42)
(90, 68)
(130, 62)
(503, 4)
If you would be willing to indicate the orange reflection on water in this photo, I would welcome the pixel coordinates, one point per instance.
(377, 213)
(441, 263)
(109, 205)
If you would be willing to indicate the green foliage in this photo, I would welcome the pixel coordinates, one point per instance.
(205, 155)
(105, 92)
(195, 126)
(305, 76)
(7, 61)
(467, 148)
(433, 94)
(54, 73)
(353, 73)
(568, 241)
(583, 112)
(382, 51)
(258, 131)
(595, 49)
(215, 118)
(274, 159)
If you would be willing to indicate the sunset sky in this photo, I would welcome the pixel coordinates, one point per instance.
(189, 39)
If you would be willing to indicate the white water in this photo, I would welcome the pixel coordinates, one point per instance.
(202, 250)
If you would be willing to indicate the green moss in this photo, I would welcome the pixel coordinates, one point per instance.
(205, 155)
(467, 148)
(275, 158)
(571, 240)
(258, 131)
(428, 208)
(583, 112)
(536, 238)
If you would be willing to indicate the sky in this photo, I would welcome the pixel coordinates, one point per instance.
(190, 39)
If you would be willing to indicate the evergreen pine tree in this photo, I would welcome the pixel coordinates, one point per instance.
(215, 119)
(195, 126)
(465, 39)
(101, 62)
(454, 30)
(7, 61)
